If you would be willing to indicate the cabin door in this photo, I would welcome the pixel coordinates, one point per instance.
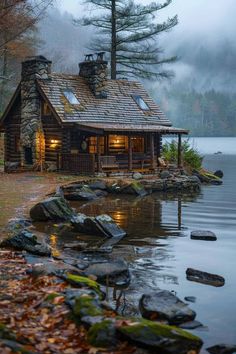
(28, 156)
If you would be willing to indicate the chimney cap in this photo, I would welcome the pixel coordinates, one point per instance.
(37, 58)
(90, 57)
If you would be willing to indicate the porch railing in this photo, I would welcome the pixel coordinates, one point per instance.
(77, 163)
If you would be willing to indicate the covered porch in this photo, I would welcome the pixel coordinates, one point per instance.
(116, 148)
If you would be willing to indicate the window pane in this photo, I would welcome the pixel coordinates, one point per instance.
(140, 102)
(70, 96)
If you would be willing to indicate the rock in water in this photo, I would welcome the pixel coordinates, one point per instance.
(219, 173)
(137, 175)
(134, 188)
(204, 277)
(27, 241)
(164, 338)
(84, 193)
(222, 349)
(54, 208)
(203, 235)
(109, 226)
(112, 272)
(163, 305)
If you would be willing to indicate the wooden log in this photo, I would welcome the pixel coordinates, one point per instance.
(179, 151)
(152, 151)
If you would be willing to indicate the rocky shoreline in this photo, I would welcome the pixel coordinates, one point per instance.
(86, 278)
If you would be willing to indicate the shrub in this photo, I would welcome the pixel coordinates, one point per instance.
(191, 157)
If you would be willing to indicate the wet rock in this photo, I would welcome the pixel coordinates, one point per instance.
(165, 174)
(163, 305)
(207, 177)
(204, 277)
(219, 173)
(100, 193)
(87, 305)
(27, 241)
(135, 188)
(91, 320)
(77, 245)
(17, 224)
(103, 334)
(191, 325)
(109, 226)
(112, 272)
(137, 176)
(203, 235)
(195, 179)
(83, 282)
(98, 185)
(190, 298)
(77, 222)
(54, 208)
(165, 338)
(222, 349)
(84, 193)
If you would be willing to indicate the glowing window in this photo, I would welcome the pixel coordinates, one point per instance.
(141, 103)
(70, 96)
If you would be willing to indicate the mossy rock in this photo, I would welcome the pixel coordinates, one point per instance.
(102, 334)
(81, 282)
(87, 305)
(170, 339)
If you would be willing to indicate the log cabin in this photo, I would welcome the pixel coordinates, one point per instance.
(84, 123)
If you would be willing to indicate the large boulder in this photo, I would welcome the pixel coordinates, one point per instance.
(103, 334)
(27, 241)
(204, 277)
(54, 208)
(112, 272)
(102, 225)
(163, 305)
(219, 173)
(159, 337)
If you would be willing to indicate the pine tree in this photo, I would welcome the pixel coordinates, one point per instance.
(129, 32)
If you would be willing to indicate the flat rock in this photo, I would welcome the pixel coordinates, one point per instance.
(83, 193)
(222, 349)
(191, 325)
(109, 226)
(163, 338)
(112, 272)
(27, 241)
(163, 305)
(204, 277)
(203, 235)
(190, 298)
(54, 208)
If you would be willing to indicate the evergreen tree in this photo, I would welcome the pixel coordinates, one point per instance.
(129, 32)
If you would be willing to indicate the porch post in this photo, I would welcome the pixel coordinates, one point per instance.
(158, 147)
(98, 154)
(152, 151)
(179, 151)
(130, 155)
(106, 144)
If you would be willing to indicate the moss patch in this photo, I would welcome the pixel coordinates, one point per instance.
(87, 305)
(83, 281)
(102, 334)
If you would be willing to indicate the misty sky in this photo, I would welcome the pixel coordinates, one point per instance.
(208, 18)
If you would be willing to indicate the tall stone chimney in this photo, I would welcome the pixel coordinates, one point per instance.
(33, 68)
(95, 72)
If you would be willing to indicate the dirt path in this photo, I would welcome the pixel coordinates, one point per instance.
(19, 191)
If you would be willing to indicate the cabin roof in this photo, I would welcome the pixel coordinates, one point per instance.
(119, 107)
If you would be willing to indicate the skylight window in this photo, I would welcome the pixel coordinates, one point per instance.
(141, 103)
(70, 96)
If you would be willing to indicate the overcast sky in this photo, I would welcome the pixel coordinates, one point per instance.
(208, 18)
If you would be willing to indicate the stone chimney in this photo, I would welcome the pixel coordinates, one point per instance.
(33, 68)
(95, 72)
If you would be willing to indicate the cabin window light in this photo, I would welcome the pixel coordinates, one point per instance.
(141, 103)
(70, 96)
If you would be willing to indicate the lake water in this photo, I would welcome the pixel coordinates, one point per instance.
(159, 249)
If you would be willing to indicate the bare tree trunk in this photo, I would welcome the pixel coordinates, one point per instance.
(113, 41)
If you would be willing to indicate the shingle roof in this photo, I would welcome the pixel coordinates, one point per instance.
(119, 107)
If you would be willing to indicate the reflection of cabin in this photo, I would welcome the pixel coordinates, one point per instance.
(82, 123)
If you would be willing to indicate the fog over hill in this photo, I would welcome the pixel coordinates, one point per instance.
(204, 43)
